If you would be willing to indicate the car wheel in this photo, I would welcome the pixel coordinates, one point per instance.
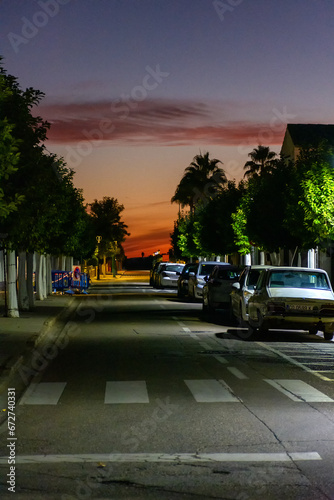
(250, 333)
(313, 330)
(328, 335)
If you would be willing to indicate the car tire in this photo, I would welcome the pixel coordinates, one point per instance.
(328, 335)
(250, 333)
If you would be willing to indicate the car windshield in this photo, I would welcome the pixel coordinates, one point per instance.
(205, 269)
(229, 274)
(299, 279)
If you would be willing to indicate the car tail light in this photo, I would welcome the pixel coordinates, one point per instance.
(276, 307)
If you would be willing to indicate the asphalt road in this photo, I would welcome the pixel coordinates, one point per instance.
(146, 398)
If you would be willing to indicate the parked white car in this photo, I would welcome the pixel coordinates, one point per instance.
(291, 298)
(168, 275)
(242, 290)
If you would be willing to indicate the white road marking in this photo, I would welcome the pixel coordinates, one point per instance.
(237, 372)
(211, 391)
(294, 362)
(126, 392)
(206, 346)
(44, 393)
(300, 391)
(220, 359)
(165, 457)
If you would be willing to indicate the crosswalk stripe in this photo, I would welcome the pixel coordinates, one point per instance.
(211, 391)
(297, 390)
(134, 391)
(237, 373)
(43, 393)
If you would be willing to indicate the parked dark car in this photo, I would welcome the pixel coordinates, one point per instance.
(196, 277)
(218, 287)
(153, 271)
(155, 274)
(182, 283)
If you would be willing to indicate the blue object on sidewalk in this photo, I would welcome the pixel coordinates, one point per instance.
(64, 281)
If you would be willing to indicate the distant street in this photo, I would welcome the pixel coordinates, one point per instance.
(149, 399)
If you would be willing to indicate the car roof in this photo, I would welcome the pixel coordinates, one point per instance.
(261, 266)
(215, 263)
(295, 268)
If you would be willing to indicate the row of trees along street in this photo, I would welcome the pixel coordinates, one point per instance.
(43, 217)
(279, 204)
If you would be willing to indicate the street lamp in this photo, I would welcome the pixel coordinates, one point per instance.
(98, 239)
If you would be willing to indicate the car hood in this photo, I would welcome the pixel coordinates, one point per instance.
(301, 293)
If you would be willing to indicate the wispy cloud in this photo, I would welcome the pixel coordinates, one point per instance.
(154, 122)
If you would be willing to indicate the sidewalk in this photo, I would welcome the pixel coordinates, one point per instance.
(124, 278)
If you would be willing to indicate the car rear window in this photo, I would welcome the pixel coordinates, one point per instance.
(174, 268)
(205, 269)
(227, 275)
(299, 279)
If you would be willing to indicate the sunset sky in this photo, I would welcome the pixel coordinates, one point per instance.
(134, 89)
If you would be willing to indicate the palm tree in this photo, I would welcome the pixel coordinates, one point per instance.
(201, 181)
(262, 160)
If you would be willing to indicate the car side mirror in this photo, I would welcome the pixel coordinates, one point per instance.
(236, 285)
(191, 273)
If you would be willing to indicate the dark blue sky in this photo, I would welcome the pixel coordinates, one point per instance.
(136, 88)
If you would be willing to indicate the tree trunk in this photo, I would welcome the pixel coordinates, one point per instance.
(69, 264)
(30, 280)
(13, 311)
(2, 263)
(40, 277)
(48, 275)
(22, 283)
(62, 262)
(248, 259)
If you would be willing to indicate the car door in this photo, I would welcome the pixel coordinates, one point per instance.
(256, 300)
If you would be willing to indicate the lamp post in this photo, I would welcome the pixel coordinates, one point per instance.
(98, 239)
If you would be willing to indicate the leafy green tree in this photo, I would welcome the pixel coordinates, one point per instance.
(9, 158)
(310, 206)
(201, 181)
(187, 241)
